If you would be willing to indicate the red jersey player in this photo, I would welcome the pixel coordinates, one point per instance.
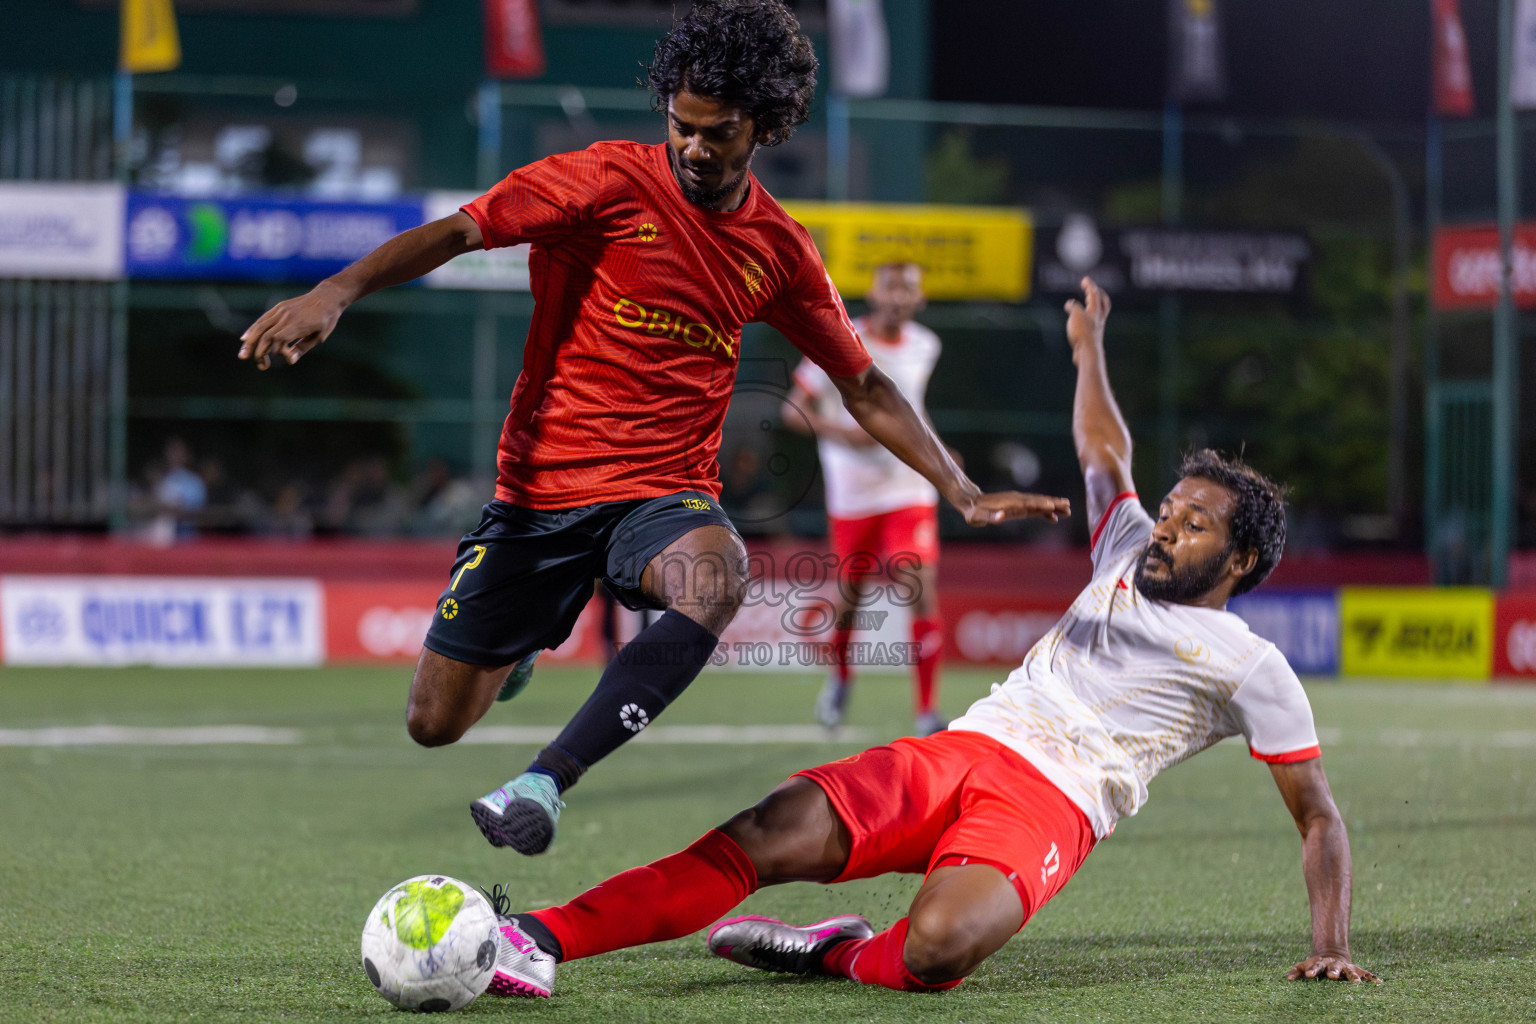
(646, 262)
(882, 515)
(1147, 668)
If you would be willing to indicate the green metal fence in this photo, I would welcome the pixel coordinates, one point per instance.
(1316, 389)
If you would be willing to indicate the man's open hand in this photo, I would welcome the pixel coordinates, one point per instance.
(292, 327)
(1336, 967)
(1085, 320)
(1001, 506)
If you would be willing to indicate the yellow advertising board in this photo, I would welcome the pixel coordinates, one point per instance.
(966, 252)
(1445, 632)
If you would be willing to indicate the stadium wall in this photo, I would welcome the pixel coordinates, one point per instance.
(93, 600)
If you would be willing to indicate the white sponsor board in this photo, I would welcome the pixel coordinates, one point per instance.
(488, 270)
(61, 231)
(784, 628)
(1001, 635)
(124, 620)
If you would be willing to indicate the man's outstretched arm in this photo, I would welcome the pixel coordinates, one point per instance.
(878, 406)
(294, 326)
(1103, 441)
(1326, 865)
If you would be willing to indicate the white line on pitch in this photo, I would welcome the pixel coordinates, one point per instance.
(728, 734)
(112, 735)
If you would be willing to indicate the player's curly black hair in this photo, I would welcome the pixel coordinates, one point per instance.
(1258, 521)
(749, 54)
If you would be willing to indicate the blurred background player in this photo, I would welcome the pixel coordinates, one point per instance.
(882, 516)
(646, 261)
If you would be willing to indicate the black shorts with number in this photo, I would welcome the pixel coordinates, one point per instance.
(523, 575)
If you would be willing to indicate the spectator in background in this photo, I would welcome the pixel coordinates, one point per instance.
(442, 504)
(290, 517)
(179, 494)
(882, 515)
(365, 501)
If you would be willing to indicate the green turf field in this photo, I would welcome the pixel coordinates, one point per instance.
(229, 882)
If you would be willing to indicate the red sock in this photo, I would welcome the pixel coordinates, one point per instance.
(668, 898)
(878, 961)
(840, 637)
(928, 635)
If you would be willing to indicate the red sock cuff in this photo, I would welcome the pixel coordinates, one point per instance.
(880, 961)
(726, 851)
(666, 899)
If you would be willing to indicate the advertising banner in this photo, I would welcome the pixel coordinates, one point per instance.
(1304, 624)
(1514, 637)
(1466, 266)
(386, 622)
(786, 626)
(1442, 632)
(129, 620)
(1161, 260)
(966, 252)
(255, 239)
(503, 269)
(61, 231)
(987, 627)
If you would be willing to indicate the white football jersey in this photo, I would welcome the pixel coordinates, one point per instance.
(1125, 686)
(867, 481)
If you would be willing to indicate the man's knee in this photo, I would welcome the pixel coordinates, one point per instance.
(704, 576)
(940, 947)
(767, 842)
(430, 728)
(791, 835)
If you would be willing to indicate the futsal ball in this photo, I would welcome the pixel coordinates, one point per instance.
(430, 944)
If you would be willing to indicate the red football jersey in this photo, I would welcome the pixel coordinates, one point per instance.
(640, 297)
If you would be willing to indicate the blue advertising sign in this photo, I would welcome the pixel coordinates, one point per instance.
(255, 238)
(1304, 624)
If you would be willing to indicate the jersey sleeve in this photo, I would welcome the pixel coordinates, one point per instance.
(1123, 527)
(931, 349)
(542, 201)
(1272, 712)
(811, 315)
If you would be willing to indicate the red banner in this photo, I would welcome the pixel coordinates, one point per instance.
(1466, 266)
(1514, 637)
(1452, 72)
(995, 627)
(386, 622)
(513, 46)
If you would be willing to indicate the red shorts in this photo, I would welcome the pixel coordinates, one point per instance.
(953, 798)
(911, 531)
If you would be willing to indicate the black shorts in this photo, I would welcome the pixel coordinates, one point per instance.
(523, 575)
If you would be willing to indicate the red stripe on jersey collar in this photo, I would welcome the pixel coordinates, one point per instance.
(1290, 757)
(1093, 541)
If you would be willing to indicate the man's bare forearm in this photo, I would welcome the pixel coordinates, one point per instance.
(1325, 862)
(1098, 428)
(406, 257)
(886, 415)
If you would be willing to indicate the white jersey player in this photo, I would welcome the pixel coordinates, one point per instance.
(998, 811)
(881, 516)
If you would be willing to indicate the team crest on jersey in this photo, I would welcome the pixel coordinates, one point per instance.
(753, 274)
(1191, 650)
(646, 232)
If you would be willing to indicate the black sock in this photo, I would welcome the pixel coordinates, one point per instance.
(559, 765)
(646, 675)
